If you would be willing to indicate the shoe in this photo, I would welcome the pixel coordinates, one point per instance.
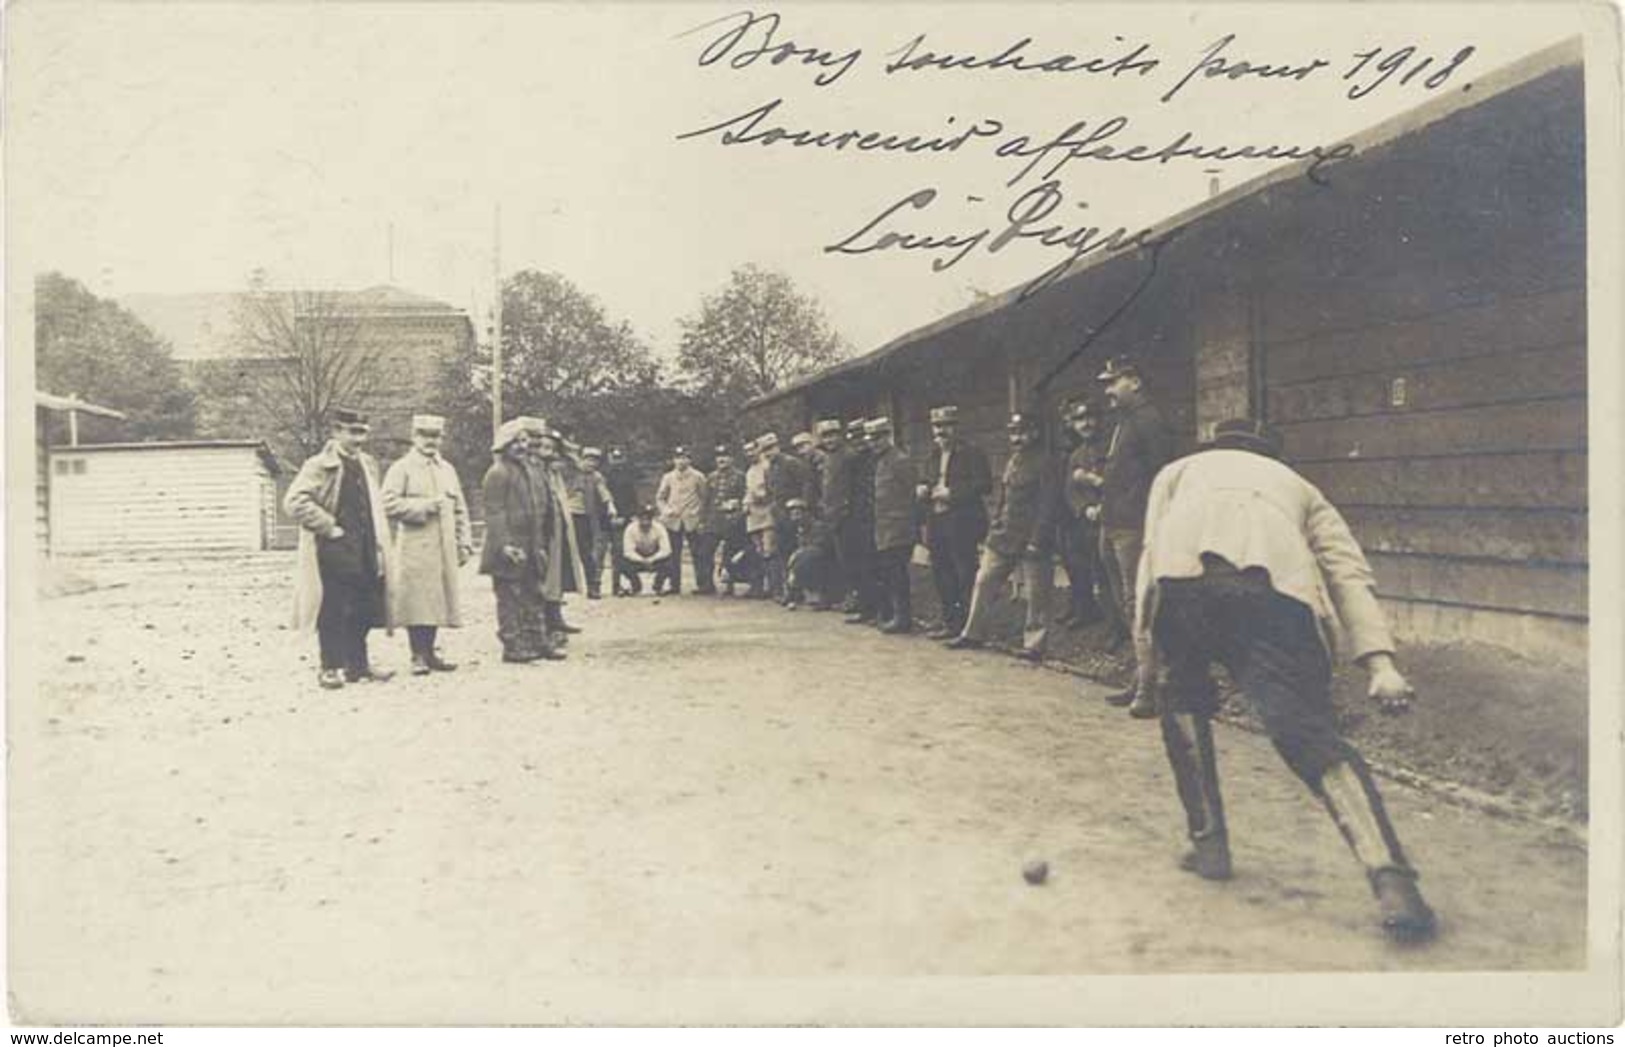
(791, 605)
(941, 632)
(1033, 655)
(1209, 858)
(1405, 916)
(549, 654)
(330, 679)
(519, 657)
(1144, 707)
(563, 627)
(860, 619)
(963, 643)
(439, 664)
(420, 667)
(894, 627)
(595, 596)
(369, 675)
(1120, 699)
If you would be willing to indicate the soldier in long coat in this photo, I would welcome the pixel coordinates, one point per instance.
(896, 527)
(341, 589)
(424, 502)
(957, 482)
(515, 554)
(564, 568)
(858, 538)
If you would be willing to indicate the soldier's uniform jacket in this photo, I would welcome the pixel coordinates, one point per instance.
(969, 480)
(681, 499)
(895, 506)
(862, 490)
(1088, 458)
(787, 477)
(1025, 511)
(514, 516)
(758, 498)
(1140, 445)
(835, 484)
(623, 489)
(723, 486)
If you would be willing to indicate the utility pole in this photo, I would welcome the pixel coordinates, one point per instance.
(496, 322)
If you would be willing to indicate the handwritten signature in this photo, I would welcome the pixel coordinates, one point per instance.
(1026, 221)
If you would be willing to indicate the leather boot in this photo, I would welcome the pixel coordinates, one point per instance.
(1405, 916)
(1209, 857)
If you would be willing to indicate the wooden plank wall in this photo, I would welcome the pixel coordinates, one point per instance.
(183, 498)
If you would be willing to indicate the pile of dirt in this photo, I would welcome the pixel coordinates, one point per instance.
(1486, 725)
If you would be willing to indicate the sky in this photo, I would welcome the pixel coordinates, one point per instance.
(169, 147)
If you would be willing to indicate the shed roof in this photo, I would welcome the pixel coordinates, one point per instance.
(259, 446)
(1499, 82)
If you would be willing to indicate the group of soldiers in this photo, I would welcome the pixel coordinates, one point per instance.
(1223, 556)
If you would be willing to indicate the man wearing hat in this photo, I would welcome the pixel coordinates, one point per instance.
(1079, 538)
(806, 448)
(956, 485)
(681, 502)
(344, 557)
(565, 572)
(725, 507)
(1141, 444)
(759, 521)
(592, 507)
(811, 566)
(834, 509)
(858, 556)
(788, 477)
(515, 553)
(1248, 565)
(1021, 536)
(645, 549)
(896, 527)
(424, 502)
(621, 479)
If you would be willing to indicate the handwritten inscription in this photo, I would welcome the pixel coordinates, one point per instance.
(747, 39)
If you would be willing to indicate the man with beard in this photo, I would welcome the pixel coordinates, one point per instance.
(958, 481)
(340, 589)
(564, 569)
(515, 554)
(1020, 537)
(424, 502)
(1248, 565)
(1141, 444)
(896, 527)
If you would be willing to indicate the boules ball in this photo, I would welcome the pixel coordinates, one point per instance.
(1035, 873)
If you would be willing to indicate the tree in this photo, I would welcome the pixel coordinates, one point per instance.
(95, 349)
(299, 355)
(564, 359)
(754, 336)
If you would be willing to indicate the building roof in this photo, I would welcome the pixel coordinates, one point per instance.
(1499, 82)
(201, 325)
(52, 402)
(259, 446)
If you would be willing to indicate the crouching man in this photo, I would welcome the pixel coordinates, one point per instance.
(1248, 565)
(646, 548)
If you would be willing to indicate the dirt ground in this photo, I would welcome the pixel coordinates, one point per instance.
(706, 788)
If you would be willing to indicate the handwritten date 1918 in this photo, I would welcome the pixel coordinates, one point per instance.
(1376, 66)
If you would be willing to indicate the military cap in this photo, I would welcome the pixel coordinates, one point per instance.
(646, 510)
(1021, 423)
(855, 428)
(1119, 367)
(506, 434)
(591, 452)
(767, 440)
(428, 423)
(722, 450)
(796, 503)
(531, 424)
(750, 447)
(801, 440)
(679, 452)
(1080, 411)
(829, 425)
(877, 426)
(350, 419)
(947, 414)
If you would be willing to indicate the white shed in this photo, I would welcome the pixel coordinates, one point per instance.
(152, 497)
